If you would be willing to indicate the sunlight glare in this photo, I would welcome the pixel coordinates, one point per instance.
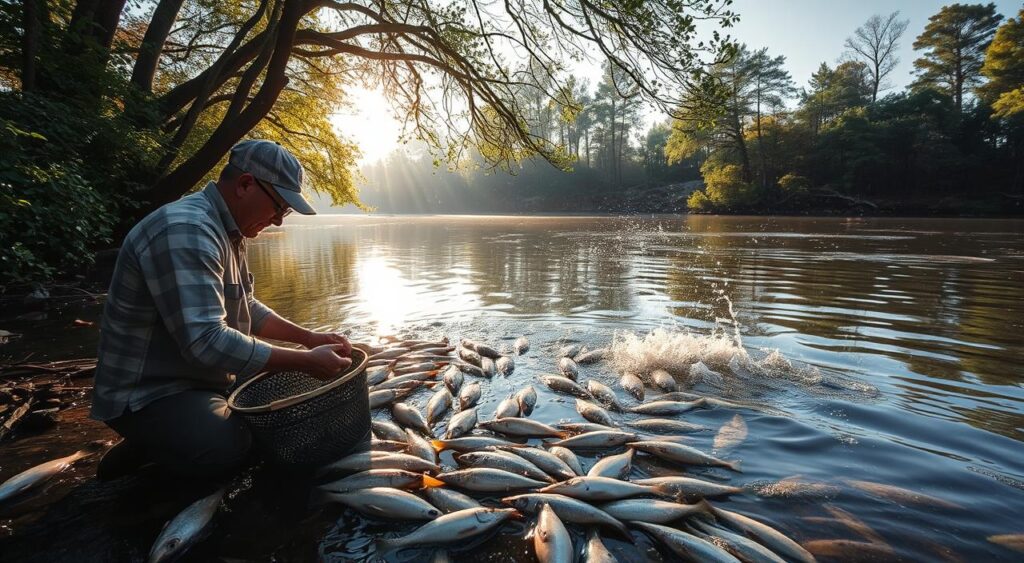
(369, 122)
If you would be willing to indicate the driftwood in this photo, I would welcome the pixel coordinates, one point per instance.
(33, 394)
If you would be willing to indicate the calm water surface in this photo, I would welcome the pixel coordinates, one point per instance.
(904, 340)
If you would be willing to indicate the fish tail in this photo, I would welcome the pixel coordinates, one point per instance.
(734, 465)
(664, 490)
(704, 507)
(438, 445)
(429, 482)
(701, 402)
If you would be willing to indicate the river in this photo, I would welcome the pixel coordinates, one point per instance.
(886, 351)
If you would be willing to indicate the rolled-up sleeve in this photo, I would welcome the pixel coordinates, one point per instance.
(183, 268)
(258, 312)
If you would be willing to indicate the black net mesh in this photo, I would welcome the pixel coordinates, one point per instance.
(314, 432)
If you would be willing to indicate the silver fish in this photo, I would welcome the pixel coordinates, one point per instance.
(689, 488)
(457, 526)
(469, 369)
(739, 545)
(526, 398)
(651, 510)
(569, 351)
(482, 349)
(598, 489)
(614, 466)
(185, 529)
(469, 395)
(389, 354)
(687, 546)
(663, 380)
(41, 473)
(388, 445)
(461, 423)
(409, 417)
(567, 508)
(596, 552)
(680, 453)
(420, 446)
(600, 439)
(438, 404)
(377, 375)
(521, 345)
(604, 394)
(514, 426)
(506, 365)
(547, 461)
(387, 430)
(448, 500)
(594, 413)
(383, 398)
(489, 480)
(667, 407)
(453, 379)
(570, 459)
(665, 425)
(565, 385)
(362, 461)
(470, 357)
(396, 478)
(469, 443)
(507, 408)
(765, 534)
(632, 384)
(584, 427)
(488, 367)
(413, 368)
(568, 368)
(506, 461)
(385, 502)
(402, 380)
(551, 541)
(591, 356)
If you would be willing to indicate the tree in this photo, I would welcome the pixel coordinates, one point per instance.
(1004, 69)
(954, 42)
(833, 91)
(875, 43)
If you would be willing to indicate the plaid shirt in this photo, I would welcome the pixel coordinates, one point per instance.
(180, 309)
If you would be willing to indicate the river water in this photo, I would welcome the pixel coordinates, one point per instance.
(882, 351)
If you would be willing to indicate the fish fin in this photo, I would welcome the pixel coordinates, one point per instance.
(663, 490)
(701, 402)
(438, 445)
(734, 465)
(429, 482)
(703, 506)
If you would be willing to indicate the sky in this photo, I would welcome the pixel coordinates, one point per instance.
(806, 32)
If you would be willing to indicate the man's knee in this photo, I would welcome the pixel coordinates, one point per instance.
(224, 447)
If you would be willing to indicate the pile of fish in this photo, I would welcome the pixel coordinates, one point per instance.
(505, 465)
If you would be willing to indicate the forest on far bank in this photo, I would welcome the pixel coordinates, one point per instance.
(952, 142)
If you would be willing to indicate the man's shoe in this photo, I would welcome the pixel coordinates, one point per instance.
(122, 459)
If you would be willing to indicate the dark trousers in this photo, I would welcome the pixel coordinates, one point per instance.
(192, 433)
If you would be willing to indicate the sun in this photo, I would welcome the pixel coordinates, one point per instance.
(370, 123)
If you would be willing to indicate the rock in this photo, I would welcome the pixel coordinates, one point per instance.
(43, 419)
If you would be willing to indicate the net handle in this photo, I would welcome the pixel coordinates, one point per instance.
(296, 399)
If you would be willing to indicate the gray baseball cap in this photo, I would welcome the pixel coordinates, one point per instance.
(272, 163)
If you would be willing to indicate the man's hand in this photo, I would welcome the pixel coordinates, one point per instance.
(314, 339)
(327, 361)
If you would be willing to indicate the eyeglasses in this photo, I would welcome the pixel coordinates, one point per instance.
(280, 210)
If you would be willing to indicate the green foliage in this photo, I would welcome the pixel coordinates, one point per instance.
(724, 189)
(1004, 69)
(794, 184)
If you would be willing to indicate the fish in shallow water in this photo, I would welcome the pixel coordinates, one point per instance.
(461, 423)
(689, 488)
(732, 433)
(615, 466)
(35, 476)
(489, 480)
(524, 427)
(410, 417)
(488, 366)
(449, 500)
(565, 385)
(570, 459)
(547, 461)
(665, 425)
(526, 398)
(650, 510)
(383, 398)
(764, 534)
(508, 407)
(591, 356)
(506, 365)
(420, 446)
(568, 509)
(377, 375)
(595, 550)
(482, 349)
(386, 502)
(739, 545)
(438, 404)
(569, 351)
(362, 461)
(469, 443)
(469, 369)
(453, 379)
(1010, 541)
(667, 407)
(568, 368)
(850, 550)
(633, 385)
(470, 357)
(395, 478)
(387, 430)
(687, 546)
(593, 413)
(604, 394)
(551, 541)
(521, 345)
(506, 461)
(899, 494)
(456, 526)
(663, 380)
(600, 439)
(679, 453)
(469, 395)
(597, 489)
(185, 529)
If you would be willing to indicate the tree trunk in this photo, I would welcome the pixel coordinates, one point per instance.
(32, 22)
(153, 44)
(177, 183)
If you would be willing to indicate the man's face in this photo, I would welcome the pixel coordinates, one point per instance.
(260, 206)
